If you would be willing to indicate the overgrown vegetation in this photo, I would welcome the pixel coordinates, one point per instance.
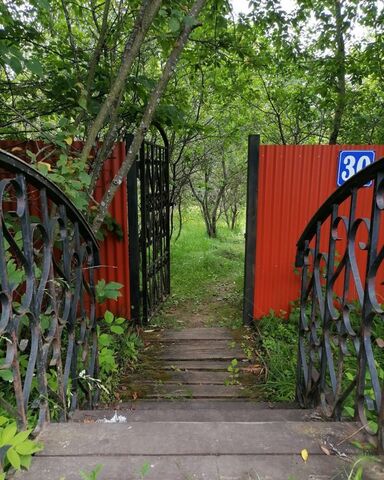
(119, 347)
(207, 275)
(80, 75)
(277, 346)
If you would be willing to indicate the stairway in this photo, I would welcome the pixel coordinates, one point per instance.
(191, 363)
(198, 423)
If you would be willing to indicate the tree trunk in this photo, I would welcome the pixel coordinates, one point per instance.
(149, 112)
(340, 65)
(143, 22)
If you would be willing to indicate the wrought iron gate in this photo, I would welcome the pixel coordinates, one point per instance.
(149, 228)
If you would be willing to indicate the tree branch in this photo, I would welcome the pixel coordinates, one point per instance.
(142, 24)
(149, 112)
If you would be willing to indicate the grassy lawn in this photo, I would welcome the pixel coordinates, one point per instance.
(206, 276)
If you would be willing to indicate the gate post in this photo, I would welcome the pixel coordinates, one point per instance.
(133, 237)
(250, 229)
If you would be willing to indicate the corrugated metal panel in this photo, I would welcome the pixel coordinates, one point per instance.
(294, 180)
(114, 253)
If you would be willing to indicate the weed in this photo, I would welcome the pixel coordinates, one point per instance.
(278, 346)
(119, 347)
(144, 470)
(93, 475)
(234, 373)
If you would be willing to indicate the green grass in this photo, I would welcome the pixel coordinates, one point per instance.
(278, 341)
(206, 277)
(198, 262)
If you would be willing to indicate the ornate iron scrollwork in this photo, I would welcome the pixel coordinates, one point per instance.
(48, 325)
(341, 253)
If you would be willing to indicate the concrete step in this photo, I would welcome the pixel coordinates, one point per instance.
(226, 413)
(174, 391)
(195, 438)
(197, 450)
(202, 404)
(200, 467)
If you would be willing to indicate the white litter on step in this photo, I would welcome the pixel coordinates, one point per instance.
(115, 419)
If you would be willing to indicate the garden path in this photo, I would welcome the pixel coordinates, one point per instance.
(194, 424)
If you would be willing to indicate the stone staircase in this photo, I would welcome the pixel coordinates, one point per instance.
(198, 422)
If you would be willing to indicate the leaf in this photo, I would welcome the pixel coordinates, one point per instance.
(174, 24)
(6, 375)
(108, 317)
(105, 340)
(21, 437)
(117, 329)
(3, 420)
(14, 458)
(44, 4)
(359, 474)
(34, 65)
(28, 447)
(325, 450)
(190, 21)
(85, 178)
(25, 461)
(83, 102)
(68, 140)
(31, 155)
(44, 166)
(304, 454)
(8, 433)
(380, 342)
(15, 64)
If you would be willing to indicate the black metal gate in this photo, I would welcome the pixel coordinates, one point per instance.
(149, 228)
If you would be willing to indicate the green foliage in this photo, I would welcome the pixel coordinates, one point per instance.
(198, 261)
(107, 291)
(93, 475)
(278, 348)
(110, 226)
(16, 448)
(234, 373)
(119, 348)
(145, 469)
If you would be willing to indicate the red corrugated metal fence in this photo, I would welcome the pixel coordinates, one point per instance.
(114, 253)
(293, 182)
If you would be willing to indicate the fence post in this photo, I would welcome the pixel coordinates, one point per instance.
(133, 238)
(250, 230)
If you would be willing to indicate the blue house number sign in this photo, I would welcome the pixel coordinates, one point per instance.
(351, 162)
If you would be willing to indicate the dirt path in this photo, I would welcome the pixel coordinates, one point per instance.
(221, 307)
